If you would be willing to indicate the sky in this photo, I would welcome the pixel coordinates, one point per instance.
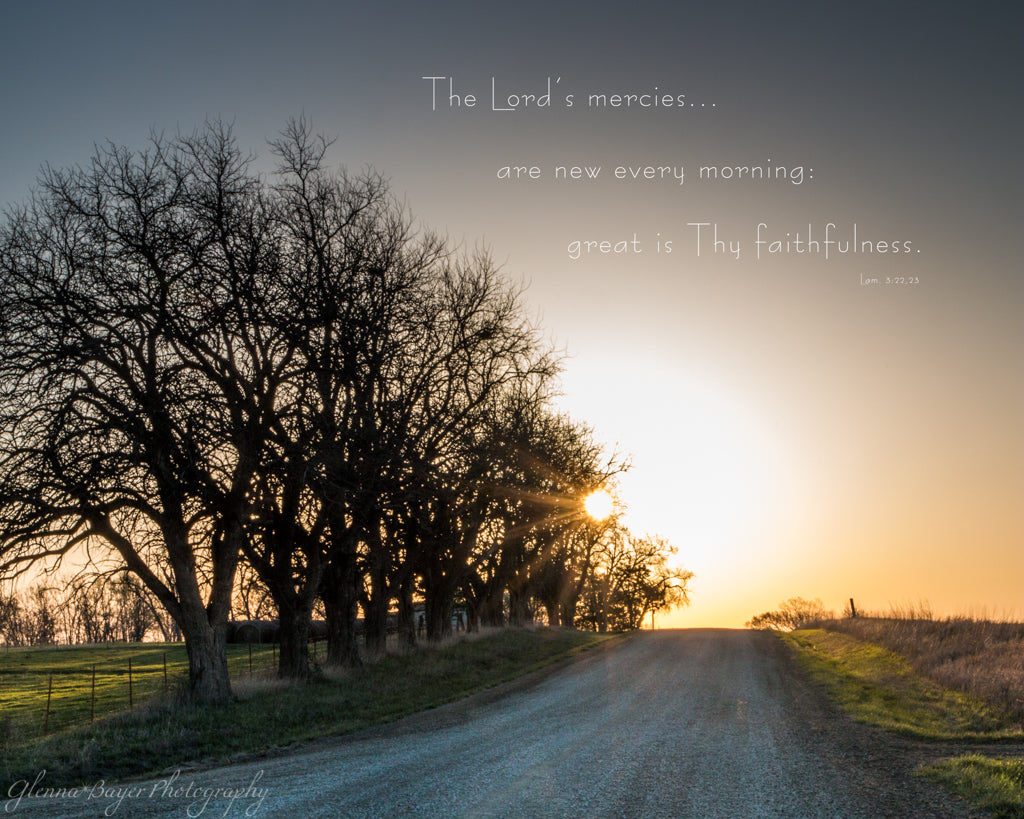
(802, 420)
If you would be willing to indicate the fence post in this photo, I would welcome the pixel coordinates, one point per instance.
(165, 672)
(46, 721)
(131, 698)
(92, 696)
(853, 609)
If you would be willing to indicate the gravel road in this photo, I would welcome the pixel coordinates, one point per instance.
(699, 723)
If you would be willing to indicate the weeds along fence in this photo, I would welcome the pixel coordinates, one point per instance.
(47, 689)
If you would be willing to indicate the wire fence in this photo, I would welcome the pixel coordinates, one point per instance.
(45, 690)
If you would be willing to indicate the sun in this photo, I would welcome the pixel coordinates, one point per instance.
(599, 504)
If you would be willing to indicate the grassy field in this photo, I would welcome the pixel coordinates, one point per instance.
(83, 683)
(882, 687)
(878, 687)
(982, 658)
(265, 713)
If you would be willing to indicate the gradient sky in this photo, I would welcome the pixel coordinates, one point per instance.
(793, 431)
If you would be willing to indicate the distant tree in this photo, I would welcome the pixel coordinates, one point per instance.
(10, 628)
(791, 614)
(88, 611)
(649, 585)
(14, 617)
(632, 579)
(30, 617)
(135, 615)
(87, 608)
(104, 608)
(475, 343)
(41, 616)
(549, 464)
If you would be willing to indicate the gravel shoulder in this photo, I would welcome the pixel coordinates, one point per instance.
(700, 723)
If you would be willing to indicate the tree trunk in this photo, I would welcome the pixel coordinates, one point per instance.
(293, 658)
(340, 596)
(376, 613)
(406, 612)
(294, 600)
(437, 603)
(492, 611)
(438, 615)
(568, 612)
(203, 623)
(518, 612)
(208, 678)
(342, 636)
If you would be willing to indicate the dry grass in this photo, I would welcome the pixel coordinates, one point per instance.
(982, 658)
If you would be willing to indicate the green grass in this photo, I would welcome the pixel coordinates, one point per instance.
(997, 785)
(983, 658)
(268, 714)
(26, 674)
(878, 687)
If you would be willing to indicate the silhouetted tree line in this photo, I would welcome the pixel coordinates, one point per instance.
(209, 377)
(97, 609)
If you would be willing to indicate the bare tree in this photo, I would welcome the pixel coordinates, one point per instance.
(10, 618)
(791, 614)
(353, 272)
(632, 578)
(129, 290)
(30, 617)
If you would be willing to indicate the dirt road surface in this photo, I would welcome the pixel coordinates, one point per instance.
(700, 723)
